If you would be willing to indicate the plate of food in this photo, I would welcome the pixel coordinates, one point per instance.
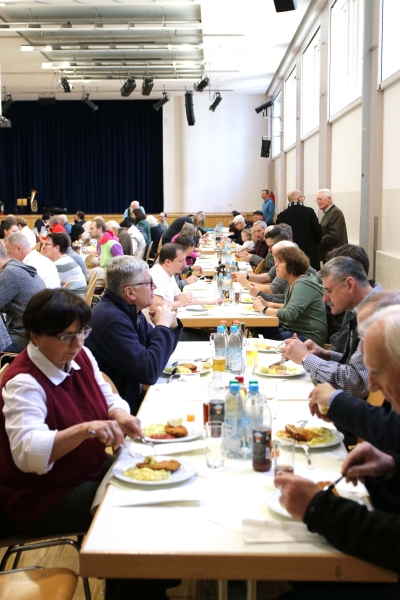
(288, 369)
(189, 368)
(314, 437)
(276, 506)
(171, 431)
(247, 300)
(268, 346)
(197, 308)
(150, 471)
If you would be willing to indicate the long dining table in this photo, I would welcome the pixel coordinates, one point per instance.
(205, 538)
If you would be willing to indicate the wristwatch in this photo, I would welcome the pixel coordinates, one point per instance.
(247, 276)
(264, 309)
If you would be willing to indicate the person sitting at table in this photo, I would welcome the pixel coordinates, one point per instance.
(350, 527)
(142, 224)
(55, 226)
(78, 258)
(190, 230)
(199, 222)
(139, 351)
(171, 262)
(260, 249)
(58, 416)
(187, 244)
(138, 241)
(128, 212)
(175, 228)
(18, 247)
(303, 311)
(108, 244)
(156, 234)
(346, 287)
(246, 241)
(55, 248)
(162, 219)
(240, 224)
(77, 231)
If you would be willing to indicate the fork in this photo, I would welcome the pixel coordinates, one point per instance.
(148, 443)
(306, 449)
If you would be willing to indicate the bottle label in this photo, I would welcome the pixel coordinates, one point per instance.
(217, 411)
(261, 445)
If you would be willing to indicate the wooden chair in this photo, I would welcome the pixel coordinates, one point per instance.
(159, 245)
(66, 285)
(37, 246)
(110, 381)
(3, 370)
(148, 252)
(37, 583)
(91, 288)
(259, 268)
(7, 357)
(374, 398)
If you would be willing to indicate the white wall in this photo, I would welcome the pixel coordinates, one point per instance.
(311, 170)
(346, 170)
(278, 191)
(216, 164)
(290, 172)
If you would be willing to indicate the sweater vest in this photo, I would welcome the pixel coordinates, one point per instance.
(105, 253)
(26, 497)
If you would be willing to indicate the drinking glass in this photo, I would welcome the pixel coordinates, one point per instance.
(283, 456)
(252, 353)
(270, 391)
(215, 444)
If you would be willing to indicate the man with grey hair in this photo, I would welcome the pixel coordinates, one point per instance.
(18, 247)
(64, 222)
(346, 287)
(133, 205)
(24, 229)
(334, 232)
(260, 250)
(55, 225)
(127, 348)
(239, 224)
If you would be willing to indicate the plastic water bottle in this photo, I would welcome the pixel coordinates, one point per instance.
(262, 428)
(220, 350)
(252, 400)
(217, 398)
(220, 284)
(234, 268)
(235, 351)
(234, 422)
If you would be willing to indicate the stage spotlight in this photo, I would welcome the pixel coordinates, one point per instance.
(128, 87)
(147, 86)
(199, 87)
(4, 123)
(217, 100)
(264, 106)
(89, 103)
(189, 108)
(6, 103)
(161, 102)
(47, 100)
(64, 82)
(285, 5)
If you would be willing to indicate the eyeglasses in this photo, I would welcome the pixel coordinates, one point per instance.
(70, 337)
(48, 245)
(329, 290)
(150, 282)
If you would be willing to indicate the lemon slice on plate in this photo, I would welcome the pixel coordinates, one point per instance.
(175, 422)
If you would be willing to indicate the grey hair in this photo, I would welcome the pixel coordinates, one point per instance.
(344, 266)
(188, 229)
(122, 271)
(20, 239)
(284, 244)
(389, 321)
(326, 192)
(112, 225)
(380, 300)
(54, 220)
(62, 218)
(262, 224)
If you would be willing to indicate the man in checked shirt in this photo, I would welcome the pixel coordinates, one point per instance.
(346, 287)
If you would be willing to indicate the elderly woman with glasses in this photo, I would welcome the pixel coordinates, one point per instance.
(58, 416)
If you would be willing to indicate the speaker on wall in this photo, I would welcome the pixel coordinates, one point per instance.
(285, 5)
(189, 108)
(265, 147)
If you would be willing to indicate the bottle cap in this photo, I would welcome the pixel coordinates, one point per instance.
(220, 275)
(239, 378)
(234, 328)
(234, 386)
(222, 322)
(220, 329)
(253, 386)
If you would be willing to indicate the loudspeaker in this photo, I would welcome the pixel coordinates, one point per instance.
(189, 108)
(265, 147)
(284, 5)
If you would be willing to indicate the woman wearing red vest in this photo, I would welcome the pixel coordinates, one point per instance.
(58, 416)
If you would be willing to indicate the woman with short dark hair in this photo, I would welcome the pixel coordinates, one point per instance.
(55, 248)
(303, 311)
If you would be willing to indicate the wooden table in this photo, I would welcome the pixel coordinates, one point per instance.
(205, 542)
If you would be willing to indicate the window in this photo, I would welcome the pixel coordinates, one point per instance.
(346, 47)
(276, 125)
(310, 85)
(289, 124)
(390, 57)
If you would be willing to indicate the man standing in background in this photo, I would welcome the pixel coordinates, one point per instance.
(307, 231)
(268, 207)
(162, 219)
(334, 232)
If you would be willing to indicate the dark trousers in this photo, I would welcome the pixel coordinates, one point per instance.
(72, 514)
(277, 333)
(342, 591)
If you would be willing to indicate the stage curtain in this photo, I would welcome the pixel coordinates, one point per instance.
(97, 162)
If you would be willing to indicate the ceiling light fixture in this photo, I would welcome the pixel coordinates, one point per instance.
(89, 103)
(217, 100)
(161, 102)
(7, 103)
(199, 87)
(128, 87)
(27, 48)
(263, 106)
(147, 86)
(64, 82)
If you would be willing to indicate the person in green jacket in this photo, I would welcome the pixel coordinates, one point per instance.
(303, 311)
(142, 224)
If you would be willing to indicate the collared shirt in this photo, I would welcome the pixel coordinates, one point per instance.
(45, 268)
(166, 284)
(25, 411)
(327, 209)
(352, 377)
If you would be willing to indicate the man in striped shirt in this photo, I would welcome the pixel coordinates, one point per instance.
(55, 248)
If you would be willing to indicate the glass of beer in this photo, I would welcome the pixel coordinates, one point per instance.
(252, 353)
(283, 456)
(218, 356)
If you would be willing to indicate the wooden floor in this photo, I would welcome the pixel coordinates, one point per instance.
(65, 556)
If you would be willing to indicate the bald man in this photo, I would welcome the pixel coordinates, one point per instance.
(307, 231)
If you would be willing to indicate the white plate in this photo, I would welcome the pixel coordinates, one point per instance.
(300, 371)
(276, 506)
(338, 438)
(268, 343)
(193, 434)
(247, 300)
(199, 366)
(185, 472)
(197, 309)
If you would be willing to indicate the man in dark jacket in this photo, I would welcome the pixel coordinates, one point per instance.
(307, 232)
(174, 228)
(18, 283)
(127, 348)
(334, 232)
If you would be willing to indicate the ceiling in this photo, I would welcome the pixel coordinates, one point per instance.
(97, 44)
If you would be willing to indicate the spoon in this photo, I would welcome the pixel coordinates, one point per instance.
(174, 372)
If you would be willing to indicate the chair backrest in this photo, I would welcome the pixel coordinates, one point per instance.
(91, 288)
(3, 370)
(159, 245)
(110, 381)
(38, 584)
(259, 268)
(148, 251)
(66, 285)
(7, 357)
(37, 246)
(374, 398)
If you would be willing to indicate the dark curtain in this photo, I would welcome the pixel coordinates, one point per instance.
(97, 162)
